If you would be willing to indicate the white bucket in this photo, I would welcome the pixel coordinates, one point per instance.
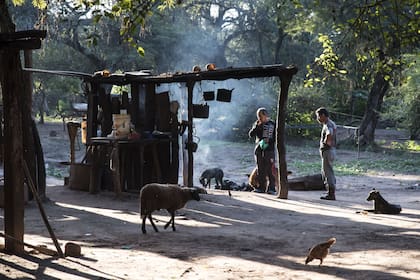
(121, 124)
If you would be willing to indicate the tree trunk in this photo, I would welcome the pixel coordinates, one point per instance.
(279, 43)
(10, 81)
(12, 89)
(373, 107)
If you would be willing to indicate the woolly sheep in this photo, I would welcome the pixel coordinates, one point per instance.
(171, 197)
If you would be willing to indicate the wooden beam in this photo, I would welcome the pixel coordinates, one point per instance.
(222, 74)
(11, 36)
(92, 112)
(21, 44)
(216, 75)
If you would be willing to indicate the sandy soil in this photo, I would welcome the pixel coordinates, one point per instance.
(248, 236)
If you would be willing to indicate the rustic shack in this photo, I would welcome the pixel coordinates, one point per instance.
(150, 152)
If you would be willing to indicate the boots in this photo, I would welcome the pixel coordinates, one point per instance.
(271, 190)
(330, 195)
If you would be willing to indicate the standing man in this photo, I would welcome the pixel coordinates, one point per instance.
(327, 150)
(263, 131)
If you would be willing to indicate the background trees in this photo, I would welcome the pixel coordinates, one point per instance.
(358, 59)
(367, 39)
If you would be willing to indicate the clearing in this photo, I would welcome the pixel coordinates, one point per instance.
(248, 236)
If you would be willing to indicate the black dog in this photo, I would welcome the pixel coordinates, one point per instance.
(380, 205)
(210, 173)
(215, 173)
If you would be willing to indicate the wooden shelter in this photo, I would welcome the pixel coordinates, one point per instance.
(143, 159)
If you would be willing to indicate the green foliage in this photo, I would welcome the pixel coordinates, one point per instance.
(60, 92)
(410, 145)
(301, 106)
(131, 15)
(326, 62)
(395, 165)
(371, 33)
(39, 4)
(306, 160)
(18, 2)
(56, 172)
(403, 102)
(344, 43)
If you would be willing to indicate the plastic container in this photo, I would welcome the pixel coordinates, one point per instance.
(84, 131)
(121, 124)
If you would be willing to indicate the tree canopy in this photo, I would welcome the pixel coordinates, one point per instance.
(354, 56)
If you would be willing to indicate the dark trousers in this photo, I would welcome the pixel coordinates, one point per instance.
(265, 161)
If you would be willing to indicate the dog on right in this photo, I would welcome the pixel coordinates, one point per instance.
(380, 205)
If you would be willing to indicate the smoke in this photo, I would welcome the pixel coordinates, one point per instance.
(227, 121)
(231, 120)
(214, 134)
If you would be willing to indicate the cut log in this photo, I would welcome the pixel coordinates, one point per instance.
(307, 183)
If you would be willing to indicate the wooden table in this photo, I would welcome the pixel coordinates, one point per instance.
(121, 148)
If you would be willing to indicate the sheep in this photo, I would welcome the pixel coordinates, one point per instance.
(171, 197)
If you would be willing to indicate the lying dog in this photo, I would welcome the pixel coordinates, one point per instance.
(380, 205)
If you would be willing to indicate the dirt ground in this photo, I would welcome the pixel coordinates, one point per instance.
(247, 236)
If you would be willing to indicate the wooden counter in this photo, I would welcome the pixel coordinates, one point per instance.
(126, 160)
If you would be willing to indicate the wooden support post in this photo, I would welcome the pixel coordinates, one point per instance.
(156, 163)
(190, 87)
(134, 106)
(92, 112)
(104, 100)
(281, 145)
(13, 93)
(72, 128)
(95, 172)
(12, 89)
(116, 168)
(141, 164)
